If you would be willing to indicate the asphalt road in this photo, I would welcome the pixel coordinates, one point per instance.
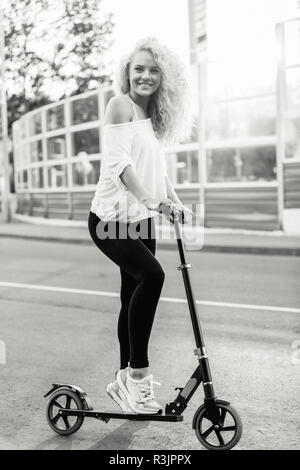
(52, 336)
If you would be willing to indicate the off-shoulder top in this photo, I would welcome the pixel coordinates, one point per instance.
(129, 143)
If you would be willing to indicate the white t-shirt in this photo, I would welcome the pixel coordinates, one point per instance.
(129, 143)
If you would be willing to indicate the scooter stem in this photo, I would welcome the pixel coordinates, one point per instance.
(188, 288)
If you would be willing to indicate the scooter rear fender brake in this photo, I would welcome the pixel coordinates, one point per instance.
(81, 393)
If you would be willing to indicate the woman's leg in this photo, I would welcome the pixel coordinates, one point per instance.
(134, 257)
(128, 286)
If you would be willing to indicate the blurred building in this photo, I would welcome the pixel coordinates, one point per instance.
(243, 164)
(4, 159)
(57, 157)
(248, 62)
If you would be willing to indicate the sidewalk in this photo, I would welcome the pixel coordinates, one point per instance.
(222, 240)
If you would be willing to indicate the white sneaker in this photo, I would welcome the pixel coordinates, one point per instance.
(139, 393)
(113, 390)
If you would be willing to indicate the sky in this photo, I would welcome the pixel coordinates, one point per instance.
(168, 20)
(136, 19)
(239, 29)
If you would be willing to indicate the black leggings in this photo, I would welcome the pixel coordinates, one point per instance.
(142, 278)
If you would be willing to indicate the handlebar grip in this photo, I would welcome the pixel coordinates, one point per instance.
(166, 209)
(163, 206)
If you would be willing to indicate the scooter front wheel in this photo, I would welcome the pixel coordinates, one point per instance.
(223, 436)
(64, 398)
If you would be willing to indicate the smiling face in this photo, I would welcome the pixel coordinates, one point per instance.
(144, 74)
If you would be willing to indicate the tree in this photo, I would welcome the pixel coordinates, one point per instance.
(90, 39)
(53, 49)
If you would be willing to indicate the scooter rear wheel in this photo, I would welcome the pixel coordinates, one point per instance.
(60, 399)
(225, 435)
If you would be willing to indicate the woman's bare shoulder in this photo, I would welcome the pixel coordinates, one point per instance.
(118, 110)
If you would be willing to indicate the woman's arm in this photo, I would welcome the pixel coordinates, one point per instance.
(171, 191)
(184, 212)
(131, 181)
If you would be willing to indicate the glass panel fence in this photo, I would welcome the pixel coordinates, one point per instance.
(84, 110)
(18, 180)
(22, 180)
(56, 147)
(17, 162)
(55, 118)
(37, 178)
(15, 131)
(86, 141)
(36, 151)
(241, 119)
(24, 155)
(25, 179)
(57, 176)
(35, 124)
(293, 87)
(292, 138)
(86, 172)
(22, 129)
(241, 164)
(187, 167)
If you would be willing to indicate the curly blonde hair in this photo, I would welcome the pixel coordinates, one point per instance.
(170, 106)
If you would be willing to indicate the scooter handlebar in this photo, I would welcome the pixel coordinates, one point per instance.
(168, 210)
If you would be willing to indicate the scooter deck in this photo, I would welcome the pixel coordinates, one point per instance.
(106, 415)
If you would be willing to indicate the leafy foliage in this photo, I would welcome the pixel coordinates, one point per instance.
(54, 49)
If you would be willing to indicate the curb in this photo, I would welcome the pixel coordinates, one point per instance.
(75, 241)
(253, 250)
(256, 250)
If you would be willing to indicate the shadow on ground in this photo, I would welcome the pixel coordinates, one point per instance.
(119, 439)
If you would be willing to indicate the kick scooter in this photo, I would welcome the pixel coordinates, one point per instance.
(216, 423)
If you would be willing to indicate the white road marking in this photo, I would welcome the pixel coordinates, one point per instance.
(69, 290)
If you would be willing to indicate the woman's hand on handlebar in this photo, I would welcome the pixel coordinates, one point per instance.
(165, 206)
(170, 208)
(184, 212)
(151, 204)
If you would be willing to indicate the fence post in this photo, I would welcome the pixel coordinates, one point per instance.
(280, 107)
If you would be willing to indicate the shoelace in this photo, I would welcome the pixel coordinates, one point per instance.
(146, 390)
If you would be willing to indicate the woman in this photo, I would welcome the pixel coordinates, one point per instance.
(152, 109)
